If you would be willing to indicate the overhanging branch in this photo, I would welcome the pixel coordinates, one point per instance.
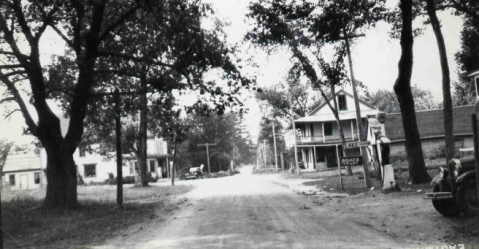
(119, 21)
(134, 58)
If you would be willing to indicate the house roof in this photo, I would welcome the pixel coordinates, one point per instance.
(22, 162)
(431, 123)
(348, 115)
(342, 91)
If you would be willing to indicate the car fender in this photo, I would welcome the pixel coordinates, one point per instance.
(469, 175)
(437, 180)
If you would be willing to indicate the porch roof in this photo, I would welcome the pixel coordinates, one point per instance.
(348, 115)
(133, 156)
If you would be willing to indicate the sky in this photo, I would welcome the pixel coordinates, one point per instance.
(375, 58)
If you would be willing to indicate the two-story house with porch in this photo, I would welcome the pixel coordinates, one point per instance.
(319, 141)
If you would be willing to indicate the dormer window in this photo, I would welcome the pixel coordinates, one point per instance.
(342, 103)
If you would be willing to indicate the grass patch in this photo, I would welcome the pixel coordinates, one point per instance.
(263, 171)
(328, 180)
(99, 218)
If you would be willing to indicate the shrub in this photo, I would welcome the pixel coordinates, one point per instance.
(126, 180)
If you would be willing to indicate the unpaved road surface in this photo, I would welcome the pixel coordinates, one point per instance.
(248, 211)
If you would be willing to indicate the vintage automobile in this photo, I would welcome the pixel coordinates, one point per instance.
(193, 173)
(454, 189)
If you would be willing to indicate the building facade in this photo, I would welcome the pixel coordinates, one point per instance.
(28, 171)
(431, 130)
(319, 142)
(24, 172)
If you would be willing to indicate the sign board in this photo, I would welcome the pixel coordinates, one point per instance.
(350, 161)
(356, 144)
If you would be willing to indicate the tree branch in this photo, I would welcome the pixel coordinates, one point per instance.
(47, 18)
(23, 107)
(134, 58)
(123, 72)
(12, 66)
(67, 41)
(10, 113)
(14, 73)
(17, 8)
(10, 39)
(119, 21)
(8, 99)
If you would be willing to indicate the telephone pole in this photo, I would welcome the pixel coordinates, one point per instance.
(207, 145)
(274, 143)
(294, 133)
(367, 179)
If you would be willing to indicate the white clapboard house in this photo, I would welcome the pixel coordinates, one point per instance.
(318, 139)
(28, 171)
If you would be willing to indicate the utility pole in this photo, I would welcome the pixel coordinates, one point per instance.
(119, 159)
(294, 134)
(207, 145)
(274, 143)
(367, 179)
(265, 156)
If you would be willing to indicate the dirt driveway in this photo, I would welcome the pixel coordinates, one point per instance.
(249, 211)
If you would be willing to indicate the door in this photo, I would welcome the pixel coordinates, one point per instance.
(23, 181)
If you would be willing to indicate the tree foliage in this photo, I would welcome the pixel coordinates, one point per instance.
(224, 130)
(102, 37)
(387, 101)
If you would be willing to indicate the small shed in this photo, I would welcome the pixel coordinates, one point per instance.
(23, 172)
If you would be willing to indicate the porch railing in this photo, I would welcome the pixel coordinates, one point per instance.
(327, 139)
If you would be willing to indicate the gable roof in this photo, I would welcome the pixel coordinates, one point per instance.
(340, 92)
(22, 162)
(431, 123)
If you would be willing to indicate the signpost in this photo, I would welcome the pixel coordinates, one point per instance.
(351, 161)
(356, 144)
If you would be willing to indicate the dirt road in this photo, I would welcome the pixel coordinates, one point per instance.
(248, 211)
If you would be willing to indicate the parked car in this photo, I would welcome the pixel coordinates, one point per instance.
(194, 173)
(454, 189)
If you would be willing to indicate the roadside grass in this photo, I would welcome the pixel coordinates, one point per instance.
(329, 181)
(27, 224)
(264, 171)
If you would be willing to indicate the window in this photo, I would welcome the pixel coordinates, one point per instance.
(342, 103)
(132, 168)
(152, 166)
(328, 129)
(82, 152)
(90, 170)
(37, 177)
(12, 180)
(477, 86)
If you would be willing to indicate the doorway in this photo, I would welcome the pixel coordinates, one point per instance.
(23, 181)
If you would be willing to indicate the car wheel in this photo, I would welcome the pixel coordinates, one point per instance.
(447, 208)
(467, 199)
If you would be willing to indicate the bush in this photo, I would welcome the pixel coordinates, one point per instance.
(126, 180)
(398, 157)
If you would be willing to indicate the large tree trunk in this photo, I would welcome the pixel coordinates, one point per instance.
(142, 165)
(62, 181)
(446, 82)
(402, 87)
